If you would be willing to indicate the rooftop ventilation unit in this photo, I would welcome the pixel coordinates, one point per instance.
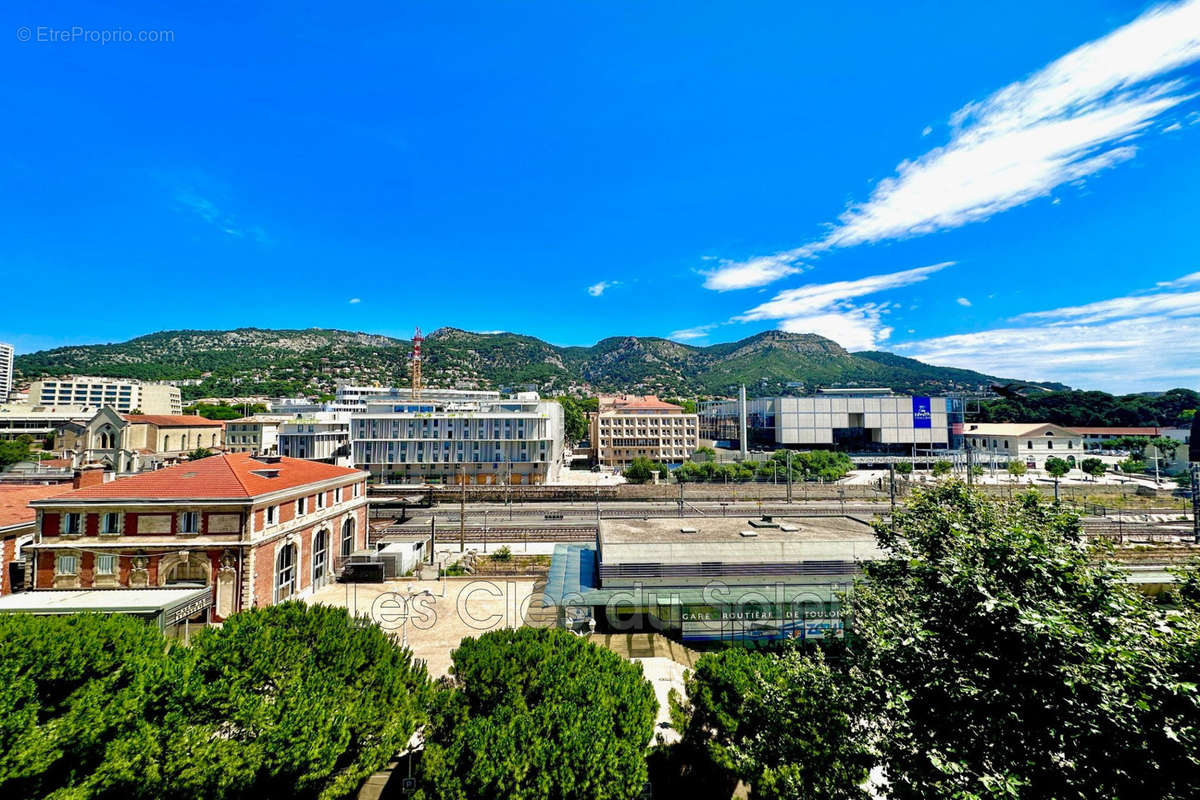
(264, 459)
(765, 522)
(688, 530)
(749, 534)
(789, 528)
(265, 473)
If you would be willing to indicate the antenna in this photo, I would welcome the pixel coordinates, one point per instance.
(418, 337)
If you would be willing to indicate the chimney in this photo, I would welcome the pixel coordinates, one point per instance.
(91, 475)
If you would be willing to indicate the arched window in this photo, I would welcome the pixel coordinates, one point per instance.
(285, 572)
(183, 443)
(190, 571)
(214, 439)
(347, 538)
(166, 441)
(320, 556)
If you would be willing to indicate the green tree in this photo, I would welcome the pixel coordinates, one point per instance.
(1133, 466)
(1094, 467)
(941, 467)
(72, 688)
(1057, 467)
(641, 470)
(904, 468)
(785, 723)
(533, 713)
(574, 421)
(1003, 659)
(1016, 468)
(199, 453)
(292, 700)
(13, 451)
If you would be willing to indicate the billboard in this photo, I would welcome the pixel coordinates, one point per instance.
(922, 413)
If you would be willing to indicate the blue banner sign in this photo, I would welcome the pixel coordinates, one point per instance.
(922, 413)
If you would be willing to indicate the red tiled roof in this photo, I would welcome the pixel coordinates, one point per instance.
(173, 420)
(14, 502)
(225, 476)
(630, 402)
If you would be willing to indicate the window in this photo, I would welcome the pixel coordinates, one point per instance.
(190, 571)
(347, 538)
(320, 554)
(106, 564)
(285, 572)
(66, 565)
(357, 489)
(320, 500)
(337, 495)
(300, 505)
(1049, 445)
(1029, 445)
(189, 522)
(110, 523)
(271, 514)
(71, 523)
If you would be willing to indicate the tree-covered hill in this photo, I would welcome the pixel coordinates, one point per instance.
(1096, 409)
(251, 361)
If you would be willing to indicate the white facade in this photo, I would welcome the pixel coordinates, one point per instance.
(6, 372)
(629, 427)
(1031, 443)
(18, 419)
(122, 395)
(256, 434)
(515, 441)
(354, 399)
(872, 420)
(323, 436)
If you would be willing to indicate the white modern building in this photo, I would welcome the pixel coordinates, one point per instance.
(353, 399)
(856, 420)
(22, 419)
(6, 372)
(257, 434)
(1030, 442)
(320, 436)
(124, 396)
(516, 440)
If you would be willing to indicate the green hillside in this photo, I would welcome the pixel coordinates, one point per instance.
(253, 361)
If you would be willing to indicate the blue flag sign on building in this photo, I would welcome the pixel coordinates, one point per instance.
(922, 413)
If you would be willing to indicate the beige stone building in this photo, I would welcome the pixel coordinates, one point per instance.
(127, 443)
(635, 426)
(257, 434)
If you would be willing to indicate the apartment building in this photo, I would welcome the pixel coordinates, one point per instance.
(353, 399)
(117, 393)
(855, 420)
(251, 530)
(318, 436)
(257, 434)
(516, 440)
(1031, 443)
(40, 422)
(626, 427)
(6, 372)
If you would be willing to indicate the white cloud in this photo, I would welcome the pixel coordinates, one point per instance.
(755, 272)
(926, 130)
(820, 296)
(698, 332)
(1066, 122)
(962, 301)
(355, 300)
(1186, 280)
(597, 289)
(825, 308)
(1121, 344)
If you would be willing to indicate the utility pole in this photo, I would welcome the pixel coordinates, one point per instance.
(970, 477)
(892, 483)
(432, 536)
(789, 477)
(462, 511)
(681, 499)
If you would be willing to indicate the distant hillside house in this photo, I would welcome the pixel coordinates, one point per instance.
(252, 530)
(126, 443)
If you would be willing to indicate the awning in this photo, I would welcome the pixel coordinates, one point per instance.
(167, 606)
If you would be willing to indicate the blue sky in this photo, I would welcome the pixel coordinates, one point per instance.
(1008, 188)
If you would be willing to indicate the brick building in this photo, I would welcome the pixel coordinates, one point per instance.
(254, 530)
(17, 526)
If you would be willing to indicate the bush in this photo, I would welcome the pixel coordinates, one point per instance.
(502, 554)
(1017, 468)
(535, 713)
(941, 467)
(904, 467)
(1133, 466)
(642, 470)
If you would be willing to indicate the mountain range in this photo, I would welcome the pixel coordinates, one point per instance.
(255, 361)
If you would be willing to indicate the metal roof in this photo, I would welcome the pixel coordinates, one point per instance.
(113, 601)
